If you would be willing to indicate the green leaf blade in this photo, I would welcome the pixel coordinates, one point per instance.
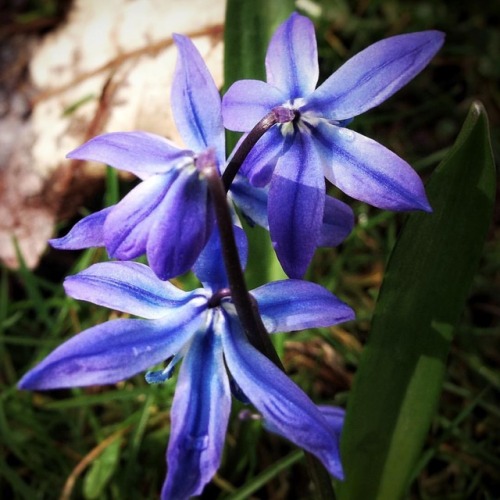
(424, 291)
(102, 470)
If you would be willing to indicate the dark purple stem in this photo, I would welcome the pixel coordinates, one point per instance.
(246, 307)
(276, 115)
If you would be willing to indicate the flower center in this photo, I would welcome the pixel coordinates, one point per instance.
(285, 115)
(216, 299)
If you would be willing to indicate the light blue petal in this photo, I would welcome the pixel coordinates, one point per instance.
(338, 218)
(128, 287)
(252, 201)
(246, 102)
(263, 157)
(86, 233)
(369, 172)
(338, 222)
(200, 413)
(136, 152)
(373, 75)
(127, 227)
(282, 403)
(289, 305)
(296, 204)
(114, 351)
(196, 101)
(333, 415)
(210, 268)
(181, 226)
(292, 57)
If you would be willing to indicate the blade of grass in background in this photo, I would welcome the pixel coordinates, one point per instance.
(249, 27)
(430, 270)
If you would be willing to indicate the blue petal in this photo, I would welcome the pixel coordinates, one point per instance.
(296, 204)
(200, 413)
(128, 225)
(338, 218)
(288, 409)
(210, 268)
(181, 226)
(114, 351)
(128, 287)
(246, 102)
(292, 57)
(333, 415)
(263, 157)
(367, 171)
(374, 74)
(85, 233)
(338, 222)
(136, 152)
(295, 305)
(196, 101)
(251, 201)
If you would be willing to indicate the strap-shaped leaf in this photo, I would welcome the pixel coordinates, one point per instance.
(249, 27)
(422, 297)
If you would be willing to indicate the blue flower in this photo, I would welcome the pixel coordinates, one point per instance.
(200, 326)
(311, 140)
(168, 216)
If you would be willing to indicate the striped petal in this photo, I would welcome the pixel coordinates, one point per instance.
(127, 227)
(369, 172)
(296, 205)
(292, 57)
(129, 287)
(196, 102)
(113, 351)
(137, 152)
(86, 233)
(289, 305)
(374, 74)
(200, 413)
(181, 227)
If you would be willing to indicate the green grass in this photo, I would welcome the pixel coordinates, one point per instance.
(109, 442)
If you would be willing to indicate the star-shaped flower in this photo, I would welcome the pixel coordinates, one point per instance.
(168, 216)
(201, 327)
(311, 140)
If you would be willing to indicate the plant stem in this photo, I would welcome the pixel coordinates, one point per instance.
(246, 307)
(246, 146)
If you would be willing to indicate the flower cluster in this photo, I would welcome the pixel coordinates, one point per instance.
(171, 217)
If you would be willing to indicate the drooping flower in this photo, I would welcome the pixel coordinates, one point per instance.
(168, 216)
(311, 140)
(201, 327)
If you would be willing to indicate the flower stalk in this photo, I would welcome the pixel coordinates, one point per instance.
(246, 146)
(245, 306)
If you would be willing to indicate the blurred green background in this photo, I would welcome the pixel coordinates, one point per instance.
(109, 442)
